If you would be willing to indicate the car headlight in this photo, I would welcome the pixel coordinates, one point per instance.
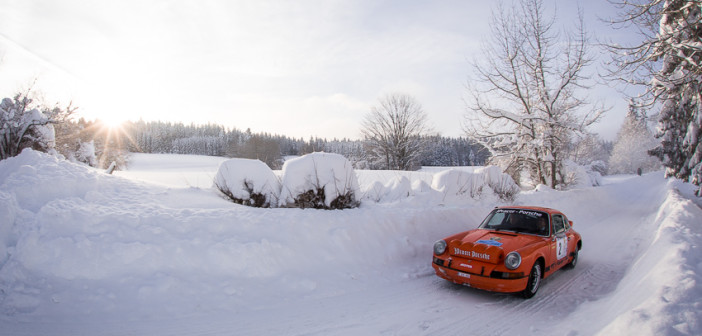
(440, 247)
(513, 260)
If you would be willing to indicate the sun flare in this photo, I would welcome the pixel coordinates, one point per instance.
(112, 123)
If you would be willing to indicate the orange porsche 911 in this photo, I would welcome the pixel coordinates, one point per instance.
(511, 251)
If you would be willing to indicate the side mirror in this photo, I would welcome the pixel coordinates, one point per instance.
(571, 223)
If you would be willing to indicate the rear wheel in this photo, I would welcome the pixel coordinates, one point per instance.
(534, 281)
(573, 262)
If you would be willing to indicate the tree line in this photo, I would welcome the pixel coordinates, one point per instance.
(217, 140)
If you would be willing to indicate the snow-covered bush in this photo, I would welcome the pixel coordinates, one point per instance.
(248, 182)
(320, 181)
(454, 182)
(501, 184)
(374, 192)
(24, 127)
(85, 153)
(583, 176)
(396, 189)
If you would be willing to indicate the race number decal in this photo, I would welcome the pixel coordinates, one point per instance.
(561, 248)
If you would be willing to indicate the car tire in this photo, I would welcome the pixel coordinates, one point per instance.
(534, 281)
(573, 262)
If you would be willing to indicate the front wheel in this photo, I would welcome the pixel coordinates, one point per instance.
(534, 281)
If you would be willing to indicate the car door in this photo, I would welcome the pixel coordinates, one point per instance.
(559, 242)
(570, 235)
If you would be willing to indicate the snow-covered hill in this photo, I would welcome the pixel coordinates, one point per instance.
(85, 253)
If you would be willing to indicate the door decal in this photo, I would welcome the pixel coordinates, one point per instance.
(561, 247)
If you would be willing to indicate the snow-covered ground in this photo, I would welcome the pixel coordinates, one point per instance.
(156, 251)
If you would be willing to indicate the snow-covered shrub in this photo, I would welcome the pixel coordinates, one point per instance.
(421, 186)
(583, 176)
(396, 189)
(374, 192)
(388, 187)
(248, 182)
(85, 153)
(24, 127)
(454, 182)
(502, 184)
(320, 181)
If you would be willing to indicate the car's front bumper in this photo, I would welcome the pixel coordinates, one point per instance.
(486, 280)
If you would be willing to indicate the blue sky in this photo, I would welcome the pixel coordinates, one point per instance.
(298, 68)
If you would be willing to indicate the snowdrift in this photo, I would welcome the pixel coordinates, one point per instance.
(82, 252)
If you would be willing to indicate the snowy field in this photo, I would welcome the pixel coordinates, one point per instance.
(154, 250)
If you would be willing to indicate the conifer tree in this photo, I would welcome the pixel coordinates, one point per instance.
(669, 63)
(630, 151)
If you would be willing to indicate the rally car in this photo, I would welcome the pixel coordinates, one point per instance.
(511, 251)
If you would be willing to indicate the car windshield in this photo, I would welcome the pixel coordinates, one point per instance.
(517, 220)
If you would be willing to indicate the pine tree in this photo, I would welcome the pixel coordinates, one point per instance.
(679, 82)
(630, 151)
(669, 63)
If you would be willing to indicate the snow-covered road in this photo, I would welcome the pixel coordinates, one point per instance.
(106, 255)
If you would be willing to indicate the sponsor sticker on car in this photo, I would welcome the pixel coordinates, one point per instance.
(489, 242)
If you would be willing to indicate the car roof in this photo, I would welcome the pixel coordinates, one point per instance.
(528, 207)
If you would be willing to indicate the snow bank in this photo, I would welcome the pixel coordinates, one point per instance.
(249, 182)
(329, 172)
(84, 246)
(34, 178)
(85, 253)
(660, 294)
(8, 216)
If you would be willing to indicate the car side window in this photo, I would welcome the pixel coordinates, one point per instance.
(558, 224)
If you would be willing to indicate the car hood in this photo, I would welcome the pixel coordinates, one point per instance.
(488, 246)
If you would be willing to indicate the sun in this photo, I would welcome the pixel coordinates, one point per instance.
(111, 123)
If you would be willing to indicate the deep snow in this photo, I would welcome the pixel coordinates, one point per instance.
(85, 253)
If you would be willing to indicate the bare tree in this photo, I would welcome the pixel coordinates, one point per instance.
(393, 131)
(525, 102)
(262, 148)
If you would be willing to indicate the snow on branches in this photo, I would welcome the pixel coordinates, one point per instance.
(679, 86)
(668, 62)
(22, 126)
(525, 102)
